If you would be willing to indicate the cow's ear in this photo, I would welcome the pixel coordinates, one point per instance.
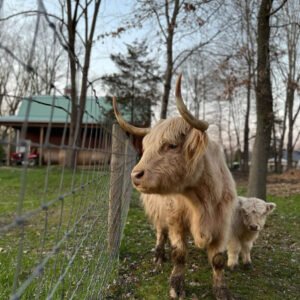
(195, 144)
(270, 207)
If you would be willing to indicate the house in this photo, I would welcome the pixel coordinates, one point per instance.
(295, 156)
(42, 123)
(272, 164)
(284, 164)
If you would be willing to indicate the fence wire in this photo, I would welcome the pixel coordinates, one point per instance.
(63, 205)
(61, 227)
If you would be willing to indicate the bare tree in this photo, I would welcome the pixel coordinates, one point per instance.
(177, 22)
(75, 30)
(199, 78)
(47, 63)
(292, 31)
(285, 56)
(264, 103)
(246, 10)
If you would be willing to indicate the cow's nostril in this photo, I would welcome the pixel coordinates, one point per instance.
(253, 227)
(139, 174)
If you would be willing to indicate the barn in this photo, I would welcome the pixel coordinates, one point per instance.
(41, 124)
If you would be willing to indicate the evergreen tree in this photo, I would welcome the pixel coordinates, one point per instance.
(136, 85)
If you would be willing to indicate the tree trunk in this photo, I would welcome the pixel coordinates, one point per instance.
(290, 106)
(71, 156)
(264, 106)
(250, 64)
(275, 150)
(170, 64)
(281, 142)
(78, 101)
(168, 78)
(245, 166)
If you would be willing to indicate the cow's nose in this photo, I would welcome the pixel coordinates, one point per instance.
(136, 176)
(253, 227)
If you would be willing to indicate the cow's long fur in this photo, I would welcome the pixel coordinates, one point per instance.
(187, 189)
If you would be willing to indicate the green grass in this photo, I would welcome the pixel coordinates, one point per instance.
(82, 212)
(276, 261)
(275, 256)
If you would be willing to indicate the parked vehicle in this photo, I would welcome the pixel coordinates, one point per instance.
(18, 158)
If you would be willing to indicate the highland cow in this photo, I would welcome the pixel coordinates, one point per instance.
(186, 188)
(248, 220)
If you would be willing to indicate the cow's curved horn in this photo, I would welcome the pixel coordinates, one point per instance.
(186, 115)
(126, 126)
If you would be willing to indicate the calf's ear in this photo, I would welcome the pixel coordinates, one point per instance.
(270, 207)
(243, 210)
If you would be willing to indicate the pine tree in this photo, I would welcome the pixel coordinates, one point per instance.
(136, 85)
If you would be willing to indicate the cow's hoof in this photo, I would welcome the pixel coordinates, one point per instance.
(174, 295)
(194, 297)
(233, 267)
(159, 260)
(177, 287)
(247, 266)
(160, 256)
(222, 293)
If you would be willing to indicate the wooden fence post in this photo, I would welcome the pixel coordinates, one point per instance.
(116, 187)
(127, 186)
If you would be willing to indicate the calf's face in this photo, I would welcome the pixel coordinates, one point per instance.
(254, 213)
(171, 159)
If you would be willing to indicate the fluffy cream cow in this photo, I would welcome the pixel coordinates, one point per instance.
(248, 220)
(186, 188)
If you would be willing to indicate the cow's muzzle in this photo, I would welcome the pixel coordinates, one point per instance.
(253, 227)
(137, 177)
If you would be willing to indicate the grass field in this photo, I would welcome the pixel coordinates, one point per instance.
(76, 222)
(276, 261)
(83, 213)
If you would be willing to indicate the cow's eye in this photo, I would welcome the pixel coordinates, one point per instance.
(172, 146)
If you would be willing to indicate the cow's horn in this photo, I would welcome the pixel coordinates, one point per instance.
(126, 126)
(186, 115)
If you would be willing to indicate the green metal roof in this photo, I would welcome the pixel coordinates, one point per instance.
(42, 109)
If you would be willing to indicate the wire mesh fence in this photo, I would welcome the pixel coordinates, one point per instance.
(61, 227)
(64, 174)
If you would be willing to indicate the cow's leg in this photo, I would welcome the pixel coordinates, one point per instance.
(161, 239)
(246, 257)
(217, 258)
(233, 251)
(178, 246)
(201, 239)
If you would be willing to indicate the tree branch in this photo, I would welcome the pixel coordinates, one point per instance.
(191, 51)
(159, 23)
(31, 13)
(285, 25)
(277, 9)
